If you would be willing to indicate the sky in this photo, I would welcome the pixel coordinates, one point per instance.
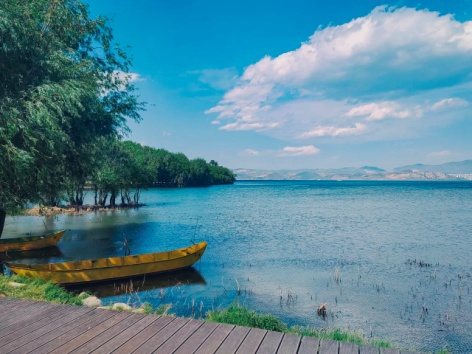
(301, 84)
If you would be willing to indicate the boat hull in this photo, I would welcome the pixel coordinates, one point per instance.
(30, 243)
(112, 268)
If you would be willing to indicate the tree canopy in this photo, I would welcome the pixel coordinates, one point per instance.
(162, 168)
(63, 88)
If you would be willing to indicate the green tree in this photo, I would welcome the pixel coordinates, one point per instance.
(141, 171)
(199, 173)
(62, 87)
(220, 174)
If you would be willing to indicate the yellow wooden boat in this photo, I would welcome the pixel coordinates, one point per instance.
(30, 243)
(111, 268)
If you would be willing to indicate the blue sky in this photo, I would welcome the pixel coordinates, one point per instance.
(301, 84)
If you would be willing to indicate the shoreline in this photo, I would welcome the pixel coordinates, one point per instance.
(14, 286)
(75, 210)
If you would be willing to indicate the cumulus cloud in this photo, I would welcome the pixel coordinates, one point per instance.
(379, 69)
(299, 150)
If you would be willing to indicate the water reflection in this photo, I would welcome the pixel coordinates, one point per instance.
(43, 255)
(189, 276)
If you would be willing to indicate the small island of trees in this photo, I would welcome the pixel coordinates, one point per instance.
(123, 169)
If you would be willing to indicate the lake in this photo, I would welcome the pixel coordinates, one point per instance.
(391, 260)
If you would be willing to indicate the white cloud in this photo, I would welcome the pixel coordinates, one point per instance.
(384, 69)
(129, 77)
(299, 150)
(122, 79)
(319, 131)
(249, 126)
(379, 111)
(449, 102)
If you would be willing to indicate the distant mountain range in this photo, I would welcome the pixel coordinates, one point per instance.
(448, 171)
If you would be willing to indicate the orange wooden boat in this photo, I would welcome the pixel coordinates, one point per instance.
(30, 243)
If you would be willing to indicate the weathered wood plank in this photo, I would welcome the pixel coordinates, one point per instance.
(29, 324)
(91, 333)
(214, 340)
(348, 348)
(271, 343)
(328, 346)
(368, 349)
(233, 340)
(290, 344)
(162, 336)
(24, 314)
(72, 333)
(252, 341)
(179, 337)
(44, 339)
(141, 337)
(389, 351)
(86, 332)
(308, 345)
(9, 302)
(126, 335)
(19, 315)
(10, 306)
(39, 328)
(197, 338)
(105, 336)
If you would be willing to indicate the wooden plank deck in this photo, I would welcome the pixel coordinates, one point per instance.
(38, 327)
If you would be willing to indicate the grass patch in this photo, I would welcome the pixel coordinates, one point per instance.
(36, 289)
(242, 316)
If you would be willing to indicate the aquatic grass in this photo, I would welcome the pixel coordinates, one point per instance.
(36, 289)
(338, 335)
(242, 316)
(162, 310)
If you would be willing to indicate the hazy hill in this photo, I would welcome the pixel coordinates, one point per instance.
(448, 171)
(461, 167)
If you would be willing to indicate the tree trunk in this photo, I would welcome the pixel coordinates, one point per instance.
(137, 193)
(3, 215)
(113, 200)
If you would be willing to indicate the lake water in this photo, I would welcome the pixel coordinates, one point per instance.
(391, 260)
